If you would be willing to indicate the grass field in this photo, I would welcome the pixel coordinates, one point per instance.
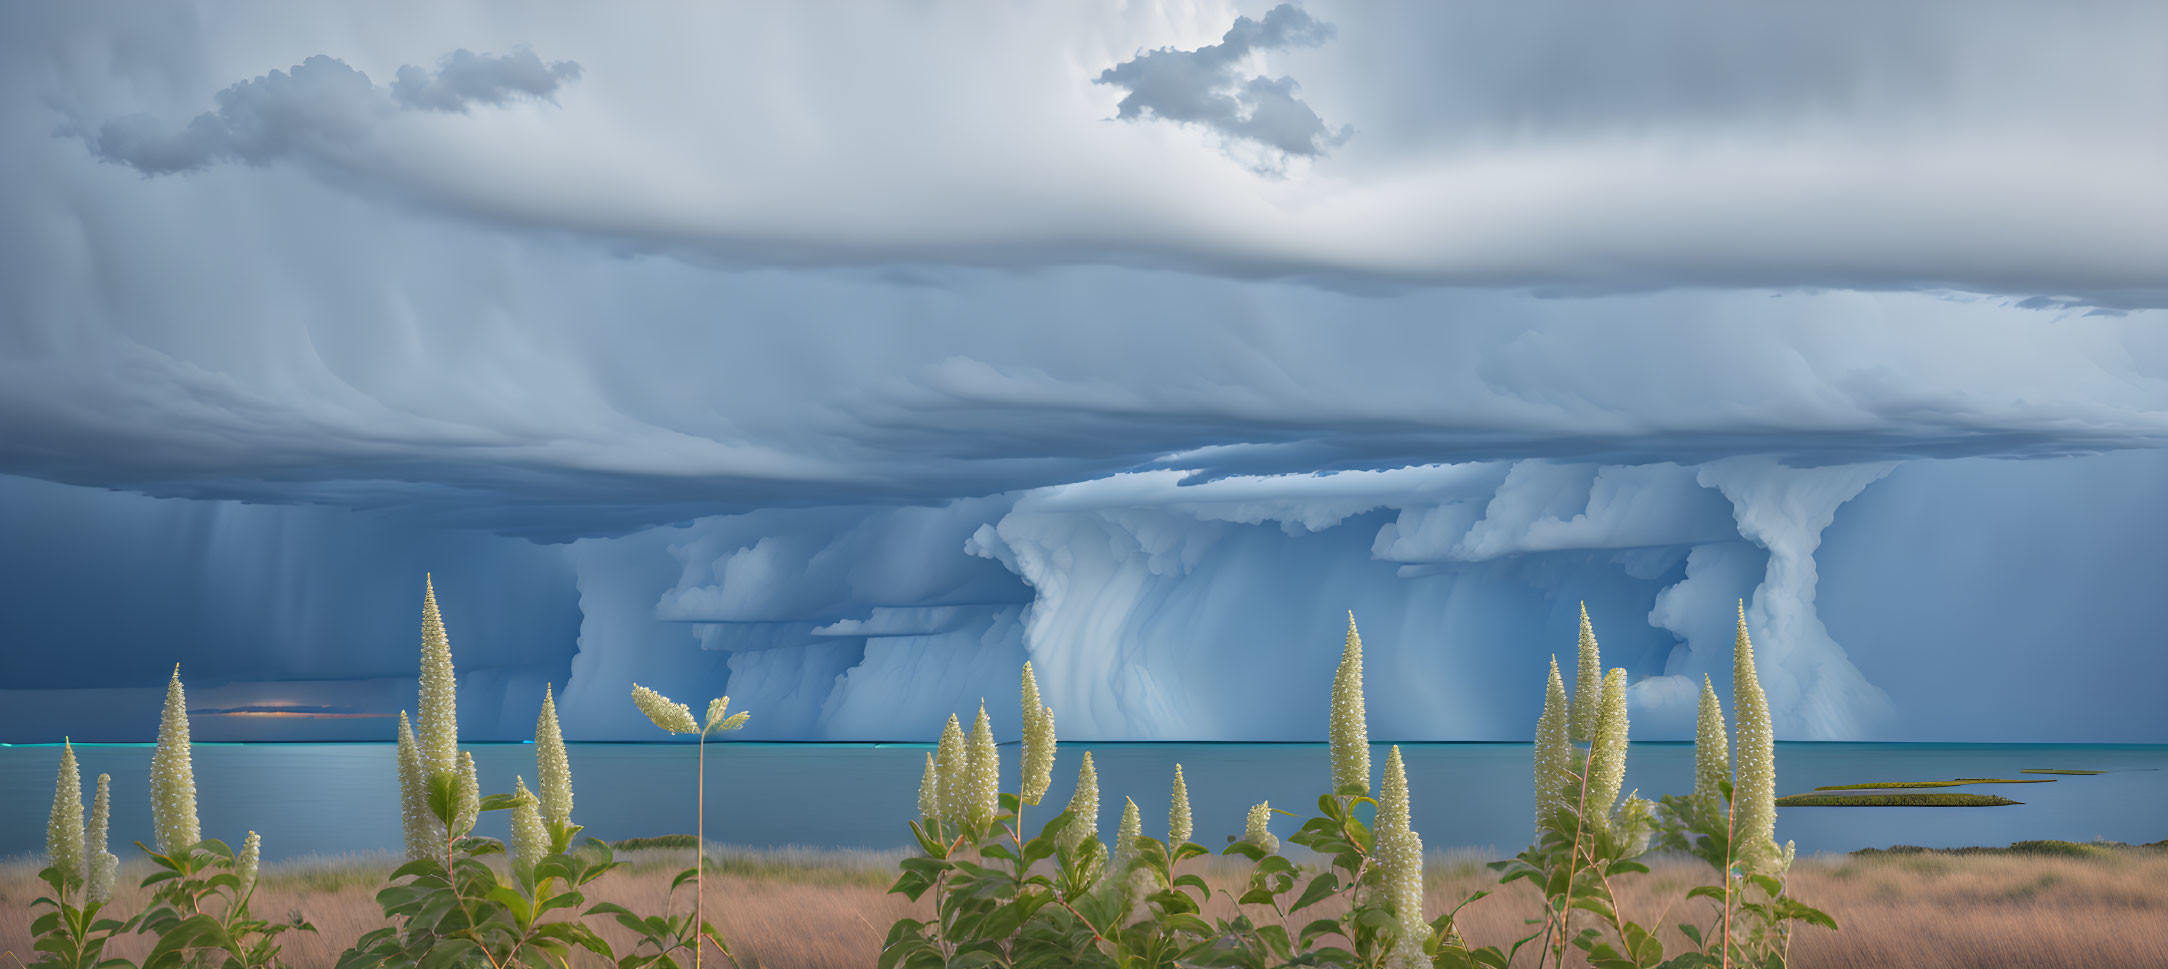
(1929, 799)
(829, 910)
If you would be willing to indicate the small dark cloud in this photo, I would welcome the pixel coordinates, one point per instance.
(1204, 86)
(464, 78)
(317, 107)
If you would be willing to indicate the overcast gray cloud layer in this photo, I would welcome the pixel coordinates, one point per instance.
(525, 293)
(2001, 148)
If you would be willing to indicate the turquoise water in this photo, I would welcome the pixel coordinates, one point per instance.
(337, 798)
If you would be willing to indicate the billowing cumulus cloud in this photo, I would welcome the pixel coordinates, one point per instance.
(1205, 86)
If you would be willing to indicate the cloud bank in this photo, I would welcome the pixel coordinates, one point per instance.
(1692, 144)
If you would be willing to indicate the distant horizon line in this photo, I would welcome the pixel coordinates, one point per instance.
(1099, 743)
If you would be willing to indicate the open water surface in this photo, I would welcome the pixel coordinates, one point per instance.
(339, 798)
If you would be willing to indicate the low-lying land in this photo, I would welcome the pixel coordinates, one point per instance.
(2065, 849)
(2046, 770)
(1960, 782)
(809, 909)
(1928, 799)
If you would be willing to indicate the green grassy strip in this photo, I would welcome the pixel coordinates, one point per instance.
(2050, 771)
(1930, 799)
(661, 841)
(2065, 849)
(1877, 785)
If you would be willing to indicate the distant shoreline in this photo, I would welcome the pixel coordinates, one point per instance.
(1117, 743)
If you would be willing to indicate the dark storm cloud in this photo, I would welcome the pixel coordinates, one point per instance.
(1205, 86)
(282, 334)
(319, 108)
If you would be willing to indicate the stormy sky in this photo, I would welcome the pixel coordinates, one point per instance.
(842, 364)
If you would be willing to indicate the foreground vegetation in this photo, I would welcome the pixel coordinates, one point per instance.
(829, 910)
(1352, 889)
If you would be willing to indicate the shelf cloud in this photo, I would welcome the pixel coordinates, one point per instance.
(847, 363)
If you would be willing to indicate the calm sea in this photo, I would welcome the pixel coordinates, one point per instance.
(337, 798)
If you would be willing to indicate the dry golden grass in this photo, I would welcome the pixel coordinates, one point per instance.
(813, 910)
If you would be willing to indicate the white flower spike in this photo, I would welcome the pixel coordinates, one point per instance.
(553, 767)
(1400, 861)
(1554, 750)
(1755, 792)
(984, 763)
(438, 734)
(99, 863)
(664, 712)
(173, 775)
(1587, 684)
(1350, 732)
(1259, 831)
(64, 829)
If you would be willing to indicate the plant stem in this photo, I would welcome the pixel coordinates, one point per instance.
(700, 847)
(1573, 867)
(1731, 833)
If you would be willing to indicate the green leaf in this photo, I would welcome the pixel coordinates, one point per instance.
(1376, 918)
(1797, 911)
(1331, 807)
(512, 902)
(1644, 948)
(1319, 889)
(449, 953)
(1192, 881)
(926, 842)
(929, 867)
(1245, 849)
(911, 885)
(1316, 929)
(1596, 904)
(444, 797)
(193, 932)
